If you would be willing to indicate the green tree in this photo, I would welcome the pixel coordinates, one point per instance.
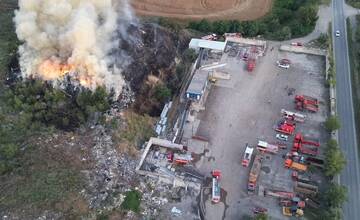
(335, 195)
(189, 55)
(332, 123)
(162, 93)
(334, 160)
(204, 26)
(9, 151)
(132, 201)
(221, 27)
(308, 15)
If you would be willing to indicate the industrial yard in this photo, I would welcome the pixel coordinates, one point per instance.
(246, 109)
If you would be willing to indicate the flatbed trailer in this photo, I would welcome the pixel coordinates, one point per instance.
(265, 147)
(254, 174)
(293, 116)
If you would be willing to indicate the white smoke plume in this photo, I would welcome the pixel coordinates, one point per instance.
(71, 37)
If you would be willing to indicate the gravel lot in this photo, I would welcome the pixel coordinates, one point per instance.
(244, 110)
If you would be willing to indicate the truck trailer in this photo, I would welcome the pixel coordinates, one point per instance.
(254, 174)
(216, 190)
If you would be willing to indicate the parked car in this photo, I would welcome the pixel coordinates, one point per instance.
(282, 137)
(337, 33)
(284, 63)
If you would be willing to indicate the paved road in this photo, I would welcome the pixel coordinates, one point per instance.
(347, 133)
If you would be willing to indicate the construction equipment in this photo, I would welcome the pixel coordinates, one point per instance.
(295, 201)
(265, 147)
(254, 174)
(251, 60)
(247, 156)
(285, 127)
(216, 190)
(289, 163)
(306, 103)
(300, 142)
(180, 159)
(292, 211)
(293, 116)
(300, 138)
(299, 147)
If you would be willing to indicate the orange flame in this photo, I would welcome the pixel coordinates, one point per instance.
(51, 70)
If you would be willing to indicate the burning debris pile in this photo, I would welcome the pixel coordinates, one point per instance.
(71, 37)
(153, 50)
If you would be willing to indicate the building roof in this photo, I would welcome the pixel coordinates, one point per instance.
(198, 82)
(207, 44)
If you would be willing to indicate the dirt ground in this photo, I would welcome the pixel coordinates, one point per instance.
(199, 9)
(244, 110)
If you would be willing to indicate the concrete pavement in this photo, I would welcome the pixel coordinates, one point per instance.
(347, 133)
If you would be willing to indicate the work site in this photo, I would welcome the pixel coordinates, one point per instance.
(255, 127)
(109, 115)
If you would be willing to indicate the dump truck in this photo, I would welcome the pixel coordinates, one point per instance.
(247, 156)
(293, 116)
(254, 174)
(285, 127)
(216, 190)
(265, 147)
(289, 163)
(289, 211)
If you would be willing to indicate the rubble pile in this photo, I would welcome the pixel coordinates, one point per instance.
(112, 174)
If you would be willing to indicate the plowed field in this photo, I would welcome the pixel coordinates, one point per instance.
(198, 9)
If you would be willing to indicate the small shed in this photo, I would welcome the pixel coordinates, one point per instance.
(197, 85)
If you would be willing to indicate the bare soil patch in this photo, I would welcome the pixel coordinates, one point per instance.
(199, 9)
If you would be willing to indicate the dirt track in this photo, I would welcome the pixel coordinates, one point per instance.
(198, 9)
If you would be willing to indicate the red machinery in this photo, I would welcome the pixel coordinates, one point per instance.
(300, 138)
(247, 156)
(254, 174)
(216, 190)
(299, 143)
(181, 159)
(286, 127)
(306, 103)
(265, 147)
(251, 62)
(298, 147)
